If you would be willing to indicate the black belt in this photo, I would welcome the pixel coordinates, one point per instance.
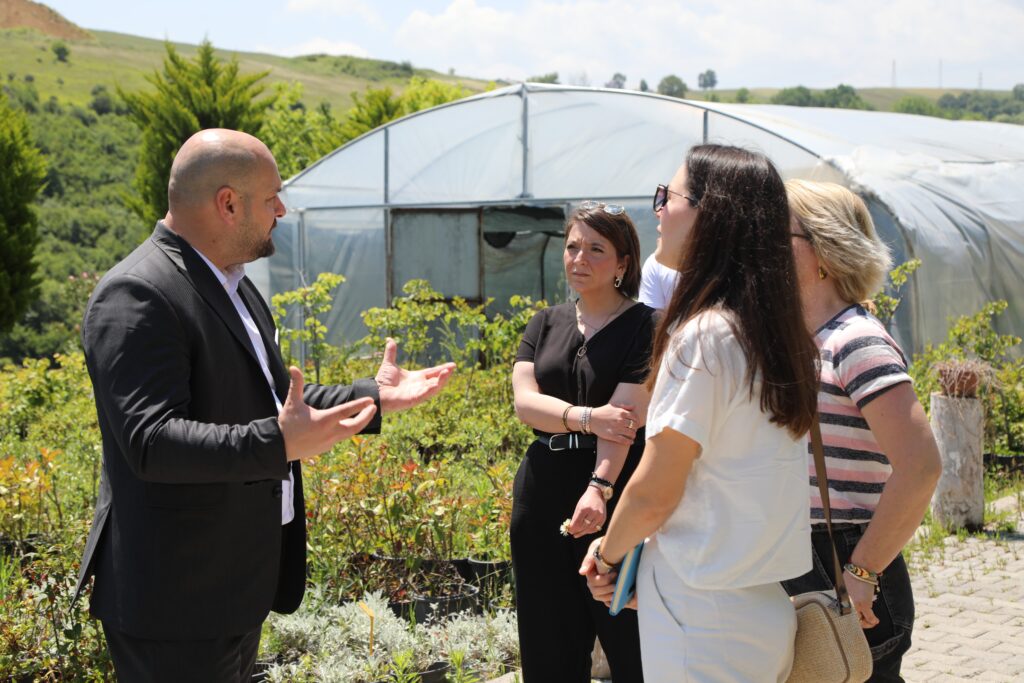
(569, 441)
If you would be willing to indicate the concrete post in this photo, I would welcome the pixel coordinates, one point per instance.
(959, 498)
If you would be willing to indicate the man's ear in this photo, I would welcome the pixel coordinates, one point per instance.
(228, 204)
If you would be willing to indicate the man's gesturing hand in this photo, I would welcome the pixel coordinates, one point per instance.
(309, 432)
(401, 389)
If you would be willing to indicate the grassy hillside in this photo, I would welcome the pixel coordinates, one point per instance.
(117, 59)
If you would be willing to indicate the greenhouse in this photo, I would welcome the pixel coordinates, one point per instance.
(472, 196)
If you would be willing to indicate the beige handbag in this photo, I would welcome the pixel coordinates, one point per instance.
(830, 644)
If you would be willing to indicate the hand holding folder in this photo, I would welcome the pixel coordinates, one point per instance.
(625, 584)
(618, 595)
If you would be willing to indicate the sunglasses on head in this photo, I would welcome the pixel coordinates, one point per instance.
(612, 209)
(661, 197)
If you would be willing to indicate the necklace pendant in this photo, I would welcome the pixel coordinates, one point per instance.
(582, 352)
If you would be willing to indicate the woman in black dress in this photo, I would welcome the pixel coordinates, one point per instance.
(578, 381)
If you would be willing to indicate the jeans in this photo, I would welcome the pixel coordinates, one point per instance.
(894, 607)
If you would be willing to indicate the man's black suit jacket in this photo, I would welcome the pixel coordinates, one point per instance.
(187, 540)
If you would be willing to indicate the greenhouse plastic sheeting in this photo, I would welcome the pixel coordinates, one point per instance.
(947, 192)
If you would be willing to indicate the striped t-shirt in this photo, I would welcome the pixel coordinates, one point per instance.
(859, 362)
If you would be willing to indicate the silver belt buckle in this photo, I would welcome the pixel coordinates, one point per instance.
(556, 441)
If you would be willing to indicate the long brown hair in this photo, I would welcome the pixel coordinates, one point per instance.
(739, 258)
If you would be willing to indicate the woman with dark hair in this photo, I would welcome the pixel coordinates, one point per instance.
(882, 462)
(579, 382)
(732, 400)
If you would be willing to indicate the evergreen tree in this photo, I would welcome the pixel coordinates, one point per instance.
(618, 81)
(190, 96)
(707, 80)
(378, 106)
(23, 172)
(374, 108)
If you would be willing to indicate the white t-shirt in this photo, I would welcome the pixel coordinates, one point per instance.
(657, 282)
(743, 519)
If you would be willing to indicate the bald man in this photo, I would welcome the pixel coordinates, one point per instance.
(199, 528)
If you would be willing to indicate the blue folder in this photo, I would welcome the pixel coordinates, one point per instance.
(625, 584)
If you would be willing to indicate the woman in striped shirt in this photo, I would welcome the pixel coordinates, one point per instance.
(881, 458)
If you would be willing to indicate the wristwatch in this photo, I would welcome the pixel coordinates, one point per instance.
(606, 491)
(602, 566)
(603, 485)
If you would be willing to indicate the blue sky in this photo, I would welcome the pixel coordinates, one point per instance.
(818, 43)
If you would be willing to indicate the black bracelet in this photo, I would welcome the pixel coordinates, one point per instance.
(598, 480)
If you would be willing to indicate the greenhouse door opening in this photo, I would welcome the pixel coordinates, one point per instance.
(479, 253)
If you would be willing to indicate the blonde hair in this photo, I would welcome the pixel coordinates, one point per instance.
(843, 236)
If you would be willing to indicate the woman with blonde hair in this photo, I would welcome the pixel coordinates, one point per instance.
(881, 458)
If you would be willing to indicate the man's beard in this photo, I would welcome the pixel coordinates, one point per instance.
(255, 247)
(267, 248)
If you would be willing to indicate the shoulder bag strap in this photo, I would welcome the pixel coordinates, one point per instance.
(819, 468)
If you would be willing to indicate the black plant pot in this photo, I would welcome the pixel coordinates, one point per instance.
(430, 609)
(436, 673)
(403, 609)
(463, 567)
(491, 576)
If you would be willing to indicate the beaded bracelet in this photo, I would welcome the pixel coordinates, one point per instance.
(565, 416)
(585, 420)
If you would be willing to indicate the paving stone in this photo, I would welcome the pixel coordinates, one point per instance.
(970, 612)
(994, 677)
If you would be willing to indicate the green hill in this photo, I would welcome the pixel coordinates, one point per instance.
(116, 59)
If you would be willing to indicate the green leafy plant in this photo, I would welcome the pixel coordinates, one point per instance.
(311, 304)
(974, 338)
(887, 300)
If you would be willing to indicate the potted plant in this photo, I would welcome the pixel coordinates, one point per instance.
(958, 422)
(960, 377)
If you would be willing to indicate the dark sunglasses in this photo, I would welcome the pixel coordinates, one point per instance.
(661, 197)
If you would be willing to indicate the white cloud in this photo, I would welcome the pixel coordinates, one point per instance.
(817, 43)
(317, 46)
(343, 8)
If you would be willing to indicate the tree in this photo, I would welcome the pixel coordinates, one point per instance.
(742, 95)
(298, 137)
(842, 97)
(60, 50)
(24, 171)
(374, 108)
(190, 96)
(707, 80)
(1018, 92)
(545, 78)
(643, 86)
(377, 106)
(795, 97)
(618, 81)
(673, 86)
(915, 104)
(102, 102)
(423, 93)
